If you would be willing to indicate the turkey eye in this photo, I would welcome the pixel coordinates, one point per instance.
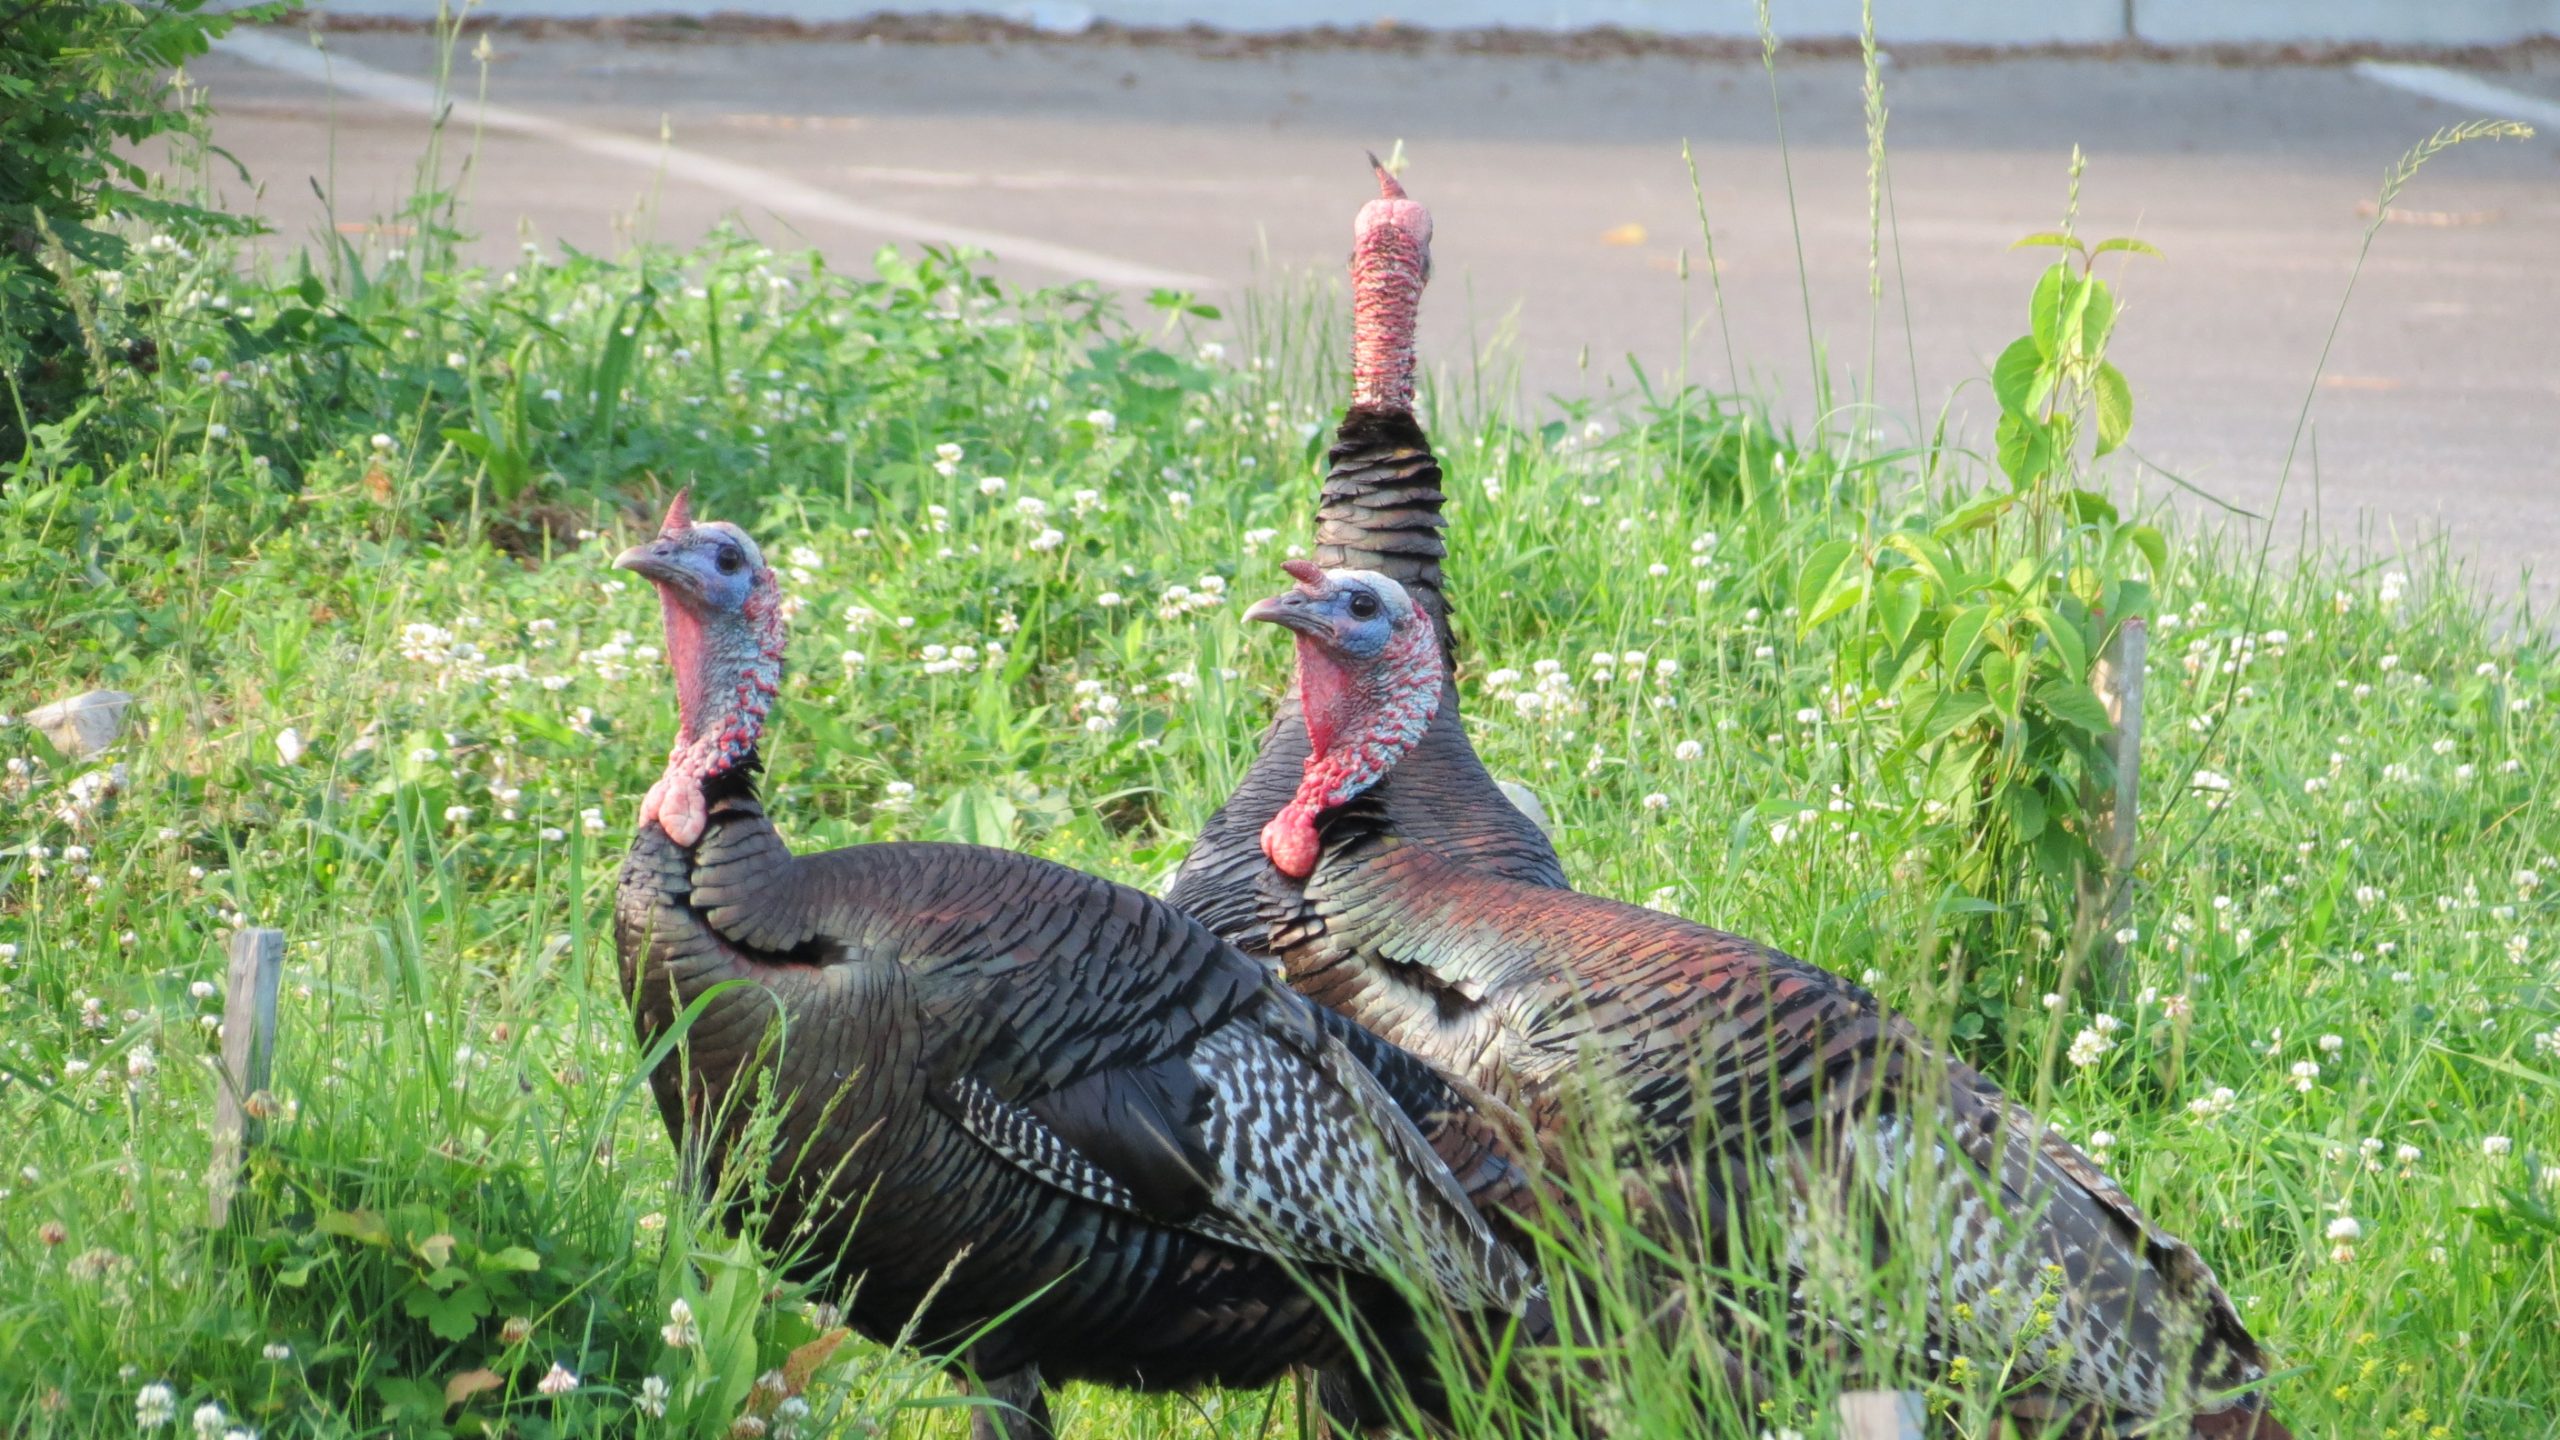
(1363, 605)
(729, 560)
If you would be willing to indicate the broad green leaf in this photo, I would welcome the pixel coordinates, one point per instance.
(2026, 809)
(2115, 408)
(513, 1257)
(1962, 643)
(1821, 573)
(2088, 507)
(2070, 651)
(2154, 549)
(452, 1317)
(2048, 306)
(1929, 557)
(2028, 448)
(2019, 379)
(2097, 317)
(1898, 603)
(1999, 680)
(2046, 239)
(1954, 710)
(362, 1226)
(2073, 703)
(1973, 515)
(2124, 242)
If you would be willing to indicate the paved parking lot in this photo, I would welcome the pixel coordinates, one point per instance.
(1564, 215)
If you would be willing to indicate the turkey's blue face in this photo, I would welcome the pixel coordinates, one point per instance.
(1354, 614)
(711, 568)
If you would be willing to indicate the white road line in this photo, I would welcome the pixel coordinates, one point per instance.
(764, 189)
(2470, 92)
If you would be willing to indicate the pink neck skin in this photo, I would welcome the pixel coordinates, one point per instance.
(1361, 719)
(1387, 260)
(727, 673)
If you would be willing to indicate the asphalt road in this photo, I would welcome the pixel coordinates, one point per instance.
(1564, 214)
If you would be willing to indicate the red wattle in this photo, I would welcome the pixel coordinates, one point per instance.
(1289, 842)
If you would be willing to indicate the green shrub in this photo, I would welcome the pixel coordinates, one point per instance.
(77, 81)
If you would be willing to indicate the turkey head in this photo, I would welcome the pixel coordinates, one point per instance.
(1369, 682)
(723, 612)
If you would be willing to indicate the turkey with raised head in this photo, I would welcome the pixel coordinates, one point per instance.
(1380, 510)
(1012, 1101)
(1742, 1067)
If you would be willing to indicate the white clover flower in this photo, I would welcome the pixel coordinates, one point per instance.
(897, 795)
(2496, 1146)
(1048, 539)
(591, 820)
(2220, 1101)
(2088, 1047)
(2306, 1074)
(652, 1399)
(2345, 1227)
(990, 485)
(552, 834)
(457, 814)
(154, 1407)
(2213, 780)
(380, 442)
(1102, 420)
(1657, 801)
(2332, 1044)
(1687, 750)
(140, 1064)
(209, 1420)
(277, 1352)
(558, 1381)
(680, 1330)
(2408, 1154)
(1109, 600)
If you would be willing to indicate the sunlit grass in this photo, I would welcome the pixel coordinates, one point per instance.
(394, 702)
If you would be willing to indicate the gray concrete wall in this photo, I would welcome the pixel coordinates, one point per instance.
(1962, 22)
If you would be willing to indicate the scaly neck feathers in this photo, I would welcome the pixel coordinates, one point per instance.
(1361, 718)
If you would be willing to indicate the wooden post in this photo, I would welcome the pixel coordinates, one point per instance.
(240, 1107)
(2106, 896)
(1881, 1415)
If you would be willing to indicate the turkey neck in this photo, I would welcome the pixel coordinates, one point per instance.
(1360, 719)
(727, 674)
(1386, 296)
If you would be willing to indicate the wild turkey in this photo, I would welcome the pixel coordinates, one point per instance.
(1016, 1101)
(1783, 1072)
(1380, 510)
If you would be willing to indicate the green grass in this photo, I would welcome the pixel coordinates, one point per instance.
(375, 514)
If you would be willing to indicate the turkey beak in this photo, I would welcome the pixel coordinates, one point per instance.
(655, 561)
(1293, 609)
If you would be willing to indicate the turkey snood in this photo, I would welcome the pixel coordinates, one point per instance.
(1390, 260)
(1363, 711)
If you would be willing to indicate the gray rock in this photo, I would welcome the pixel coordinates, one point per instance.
(83, 727)
(1525, 800)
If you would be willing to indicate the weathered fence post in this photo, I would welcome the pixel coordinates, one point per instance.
(2106, 894)
(248, 1060)
(1881, 1415)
